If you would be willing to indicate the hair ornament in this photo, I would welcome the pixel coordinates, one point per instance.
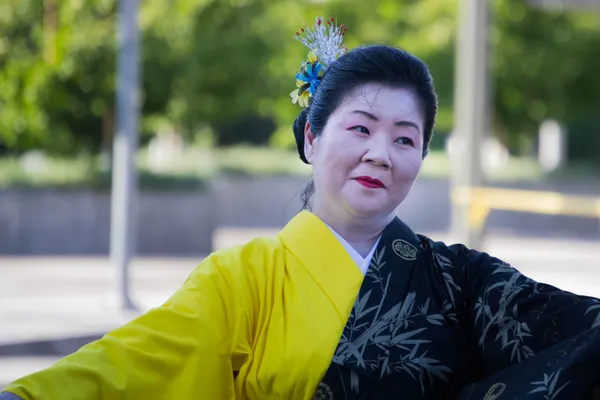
(324, 41)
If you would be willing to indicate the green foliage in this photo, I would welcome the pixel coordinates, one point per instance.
(227, 67)
(22, 74)
(544, 65)
(583, 138)
(56, 73)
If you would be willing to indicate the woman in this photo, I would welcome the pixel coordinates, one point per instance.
(346, 302)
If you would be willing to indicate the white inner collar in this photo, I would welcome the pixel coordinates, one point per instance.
(362, 262)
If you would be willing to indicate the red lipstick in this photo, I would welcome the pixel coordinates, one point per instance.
(369, 182)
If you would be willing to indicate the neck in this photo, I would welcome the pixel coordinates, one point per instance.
(360, 233)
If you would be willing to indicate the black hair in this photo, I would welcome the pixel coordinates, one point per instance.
(380, 64)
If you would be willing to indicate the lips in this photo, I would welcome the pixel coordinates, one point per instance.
(369, 182)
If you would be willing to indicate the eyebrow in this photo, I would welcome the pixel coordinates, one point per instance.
(398, 123)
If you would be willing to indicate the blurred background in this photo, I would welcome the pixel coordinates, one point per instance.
(215, 157)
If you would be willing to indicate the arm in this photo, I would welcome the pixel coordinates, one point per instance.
(187, 348)
(529, 339)
(515, 318)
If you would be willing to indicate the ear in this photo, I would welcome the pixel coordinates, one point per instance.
(309, 143)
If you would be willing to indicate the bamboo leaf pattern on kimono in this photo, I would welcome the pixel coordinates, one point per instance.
(354, 381)
(377, 262)
(596, 322)
(502, 268)
(444, 263)
(401, 319)
(548, 386)
(424, 367)
(435, 319)
(448, 311)
(359, 309)
(511, 332)
(392, 330)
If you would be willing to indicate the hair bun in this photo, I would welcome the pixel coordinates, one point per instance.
(298, 127)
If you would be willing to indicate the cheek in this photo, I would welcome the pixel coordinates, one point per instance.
(338, 157)
(326, 167)
(416, 165)
(408, 167)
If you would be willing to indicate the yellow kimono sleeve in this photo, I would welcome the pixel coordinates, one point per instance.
(187, 348)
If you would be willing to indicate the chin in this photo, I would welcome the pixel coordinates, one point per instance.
(367, 208)
(365, 205)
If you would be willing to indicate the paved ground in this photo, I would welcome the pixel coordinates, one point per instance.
(45, 301)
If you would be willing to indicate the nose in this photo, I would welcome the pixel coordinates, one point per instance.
(378, 151)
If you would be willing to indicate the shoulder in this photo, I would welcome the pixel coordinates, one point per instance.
(455, 253)
(247, 252)
(471, 267)
(461, 255)
(233, 278)
(238, 269)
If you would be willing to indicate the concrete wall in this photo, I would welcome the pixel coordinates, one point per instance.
(249, 202)
(78, 222)
(183, 223)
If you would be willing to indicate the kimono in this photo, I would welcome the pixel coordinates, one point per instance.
(445, 322)
(292, 317)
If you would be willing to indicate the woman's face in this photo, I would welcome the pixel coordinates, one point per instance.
(369, 153)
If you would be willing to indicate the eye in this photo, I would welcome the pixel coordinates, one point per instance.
(361, 129)
(405, 141)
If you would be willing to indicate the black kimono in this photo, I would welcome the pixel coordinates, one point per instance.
(444, 322)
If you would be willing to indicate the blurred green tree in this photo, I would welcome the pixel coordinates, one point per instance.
(229, 65)
(23, 74)
(544, 67)
(57, 72)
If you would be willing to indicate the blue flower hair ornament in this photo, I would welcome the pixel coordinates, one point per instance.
(324, 41)
(307, 81)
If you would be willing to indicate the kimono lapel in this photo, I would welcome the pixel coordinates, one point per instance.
(362, 354)
(317, 249)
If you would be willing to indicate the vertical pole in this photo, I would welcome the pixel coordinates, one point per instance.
(123, 211)
(470, 112)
